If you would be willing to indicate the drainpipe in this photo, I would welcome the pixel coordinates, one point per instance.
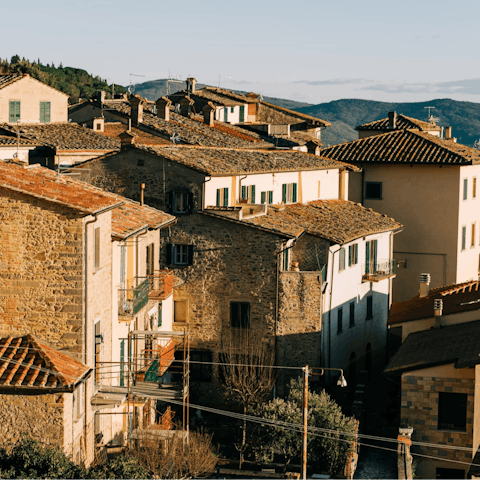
(240, 185)
(330, 309)
(203, 191)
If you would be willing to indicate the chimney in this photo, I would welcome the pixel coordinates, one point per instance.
(101, 97)
(209, 113)
(437, 311)
(142, 193)
(99, 124)
(392, 120)
(191, 85)
(186, 106)
(136, 109)
(126, 139)
(424, 283)
(448, 133)
(163, 108)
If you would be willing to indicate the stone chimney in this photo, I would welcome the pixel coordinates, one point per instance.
(209, 113)
(313, 147)
(437, 311)
(392, 120)
(163, 108)
(186, 104)
(448, 133)
(136, 109)
(99, 124)
(100, 97)
(126, 139)
(424, 283)
(190, 85)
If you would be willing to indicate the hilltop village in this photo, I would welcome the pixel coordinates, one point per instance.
(146, 247)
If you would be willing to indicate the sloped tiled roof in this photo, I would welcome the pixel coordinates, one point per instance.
(12, 141)
(458, 344)
(402, 122)
(404, 146)
(43, 183)
(338, 221)
(26, 362)
(9, 79)
(456, 298)
(132, 217)
(234, 161)
(64, 136)
(113, 130)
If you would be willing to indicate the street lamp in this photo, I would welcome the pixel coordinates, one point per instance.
(341, 383)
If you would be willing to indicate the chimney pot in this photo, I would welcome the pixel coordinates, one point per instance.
(136, 109)
(163, 108)
(142, 193)
(191, 85)
(448, 133)
(424, 283)
(437, 311)
(392, 120)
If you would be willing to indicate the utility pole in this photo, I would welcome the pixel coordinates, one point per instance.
(305, 422)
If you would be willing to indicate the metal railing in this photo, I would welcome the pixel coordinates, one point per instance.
(132, 300)
(160, 284)
(376, 271)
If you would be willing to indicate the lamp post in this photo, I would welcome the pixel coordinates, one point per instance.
(341, 382)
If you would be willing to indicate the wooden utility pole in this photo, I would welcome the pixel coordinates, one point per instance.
(305, 421)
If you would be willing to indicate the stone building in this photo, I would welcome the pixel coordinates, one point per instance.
(62, 247)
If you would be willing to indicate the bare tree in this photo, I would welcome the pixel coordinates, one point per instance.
(247, 375)
(176, 456)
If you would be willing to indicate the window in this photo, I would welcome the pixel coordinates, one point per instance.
(286, 260)
(289, 193)
(474, 187)
(266, 197)
(97, 249)
(14, 111)
(240, 314)
(222, 197)
(180, 202)
(150, 259)
(225, 114)
(242, 114)
(98, 126)
(473, 236)
(353, 254)
(45, 114)
(232, 109)
(179, 254)
(369, 307)
(452, 411)
(79, 401)
(180, 311)
(465, 188)
(373, 190)
(352, 314)
(122, 363)
(201, 372)
(341, 260)
(248, 193)
(339, 320)
(371, 251)
(464, 238)
(98, 350)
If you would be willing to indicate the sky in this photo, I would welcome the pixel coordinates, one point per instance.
(308, 50)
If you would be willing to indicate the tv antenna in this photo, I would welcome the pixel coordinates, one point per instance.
(429, 111)
(131, 88)
(175, 138)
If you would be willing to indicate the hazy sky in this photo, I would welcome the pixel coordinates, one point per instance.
(271, 42)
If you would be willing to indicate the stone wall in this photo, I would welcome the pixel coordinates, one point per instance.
(41, 274)
(419, 409)
(39, 416)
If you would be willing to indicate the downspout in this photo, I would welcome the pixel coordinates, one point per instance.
(363, 182)
(240, 185)
(203, 192)
(330, 309)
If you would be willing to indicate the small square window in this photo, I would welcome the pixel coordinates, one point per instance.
(180, 255)
(341, 260)
(373, 190)
(452, 411)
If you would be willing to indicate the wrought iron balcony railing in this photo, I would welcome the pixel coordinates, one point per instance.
(377, 271)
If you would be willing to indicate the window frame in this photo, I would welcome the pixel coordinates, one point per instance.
(465, 189)
(472, 244)
(464, 238)
(353, 254)
(248, 194)
(223, 197)
(289, 192)
(45, 114)
(266, 197)
(369, 197)
(176, 312)
(445, 410)
(16, 115)
(172, 254)
(238, 311)
(341, 260)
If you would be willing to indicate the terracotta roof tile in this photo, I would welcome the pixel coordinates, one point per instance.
(11, 141)
(113, 130)
(9, 79)
(457, 298)
(404, 146)
(234, 161)
(456, 344)
(402, 122)
(338, 221)
(27, 362)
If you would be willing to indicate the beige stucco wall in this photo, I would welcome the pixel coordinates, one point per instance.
(424, 198)
(31, 92)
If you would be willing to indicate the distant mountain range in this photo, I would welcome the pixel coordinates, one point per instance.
(345, 115)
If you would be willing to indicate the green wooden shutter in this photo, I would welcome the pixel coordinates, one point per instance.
(356, 253)
(294, 192)
(253, 193)
(367, 257)
(284, 193)
(262, 198)
(122, 362)
(159, 315)
(218, 197)
(244, 192)
(242, 114)
(270, 197)
(14, 111)
(225, 197)
(225, 114)
(375, 245)
(350, 256)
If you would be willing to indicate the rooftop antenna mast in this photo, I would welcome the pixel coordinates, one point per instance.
(132, 86)
(429, 111)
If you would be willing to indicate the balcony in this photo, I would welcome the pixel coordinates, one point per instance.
(377, 271)
(160, 284)
(132, 300)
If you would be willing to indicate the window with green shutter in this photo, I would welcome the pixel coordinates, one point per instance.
(225, 197)
(44, 112)
(289, 193)
(14, 111)
(262, 197)
(270, 197)
(242, 114)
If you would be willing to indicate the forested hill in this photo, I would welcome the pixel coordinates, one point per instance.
(345, 115)
(73, 81)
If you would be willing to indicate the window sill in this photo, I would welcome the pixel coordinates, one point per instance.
(180, 323)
